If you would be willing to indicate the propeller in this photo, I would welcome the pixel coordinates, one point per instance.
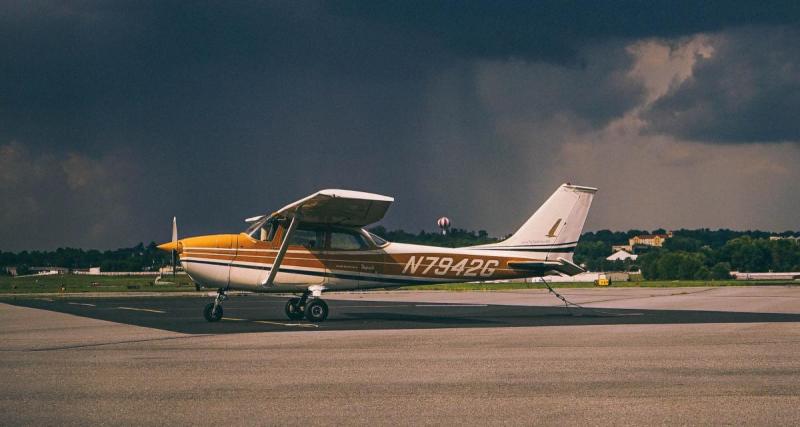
(174, 243)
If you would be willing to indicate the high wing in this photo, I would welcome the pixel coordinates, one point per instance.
(338, 207)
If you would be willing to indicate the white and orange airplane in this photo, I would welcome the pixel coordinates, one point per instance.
(318, 244)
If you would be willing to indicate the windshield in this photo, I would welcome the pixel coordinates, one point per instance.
(254, 227)
(379, 241)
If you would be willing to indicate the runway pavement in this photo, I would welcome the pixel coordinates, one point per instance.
(635, 357)
(261, 313)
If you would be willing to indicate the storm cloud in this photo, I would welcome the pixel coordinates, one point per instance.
(748, 90)
(117, 116)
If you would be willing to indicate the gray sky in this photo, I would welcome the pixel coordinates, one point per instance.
(115, 116)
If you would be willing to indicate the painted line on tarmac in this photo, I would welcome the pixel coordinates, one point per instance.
(86, 304)
(149, 310)
(451, 305)
(301, 325)
(373, 306)
(266, 322)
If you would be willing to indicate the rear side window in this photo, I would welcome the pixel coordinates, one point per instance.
(311, 239)
(346, 241)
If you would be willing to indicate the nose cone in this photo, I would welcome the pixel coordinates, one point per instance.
(169, 247)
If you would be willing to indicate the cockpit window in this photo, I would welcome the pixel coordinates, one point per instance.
(379, 241)
(263, 230)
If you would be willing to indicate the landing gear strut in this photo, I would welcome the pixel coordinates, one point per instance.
(315, 310)
(213, 310)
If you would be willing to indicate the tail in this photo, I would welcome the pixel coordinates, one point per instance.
(556, 226)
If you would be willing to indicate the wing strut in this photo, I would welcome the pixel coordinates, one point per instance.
(282, 251)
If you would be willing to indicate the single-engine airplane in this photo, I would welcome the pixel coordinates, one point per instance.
(319, 244)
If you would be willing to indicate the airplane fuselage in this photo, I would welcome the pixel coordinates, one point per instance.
(239, 261)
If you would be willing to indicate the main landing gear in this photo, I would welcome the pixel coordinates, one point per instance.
(315, 310)
(309, 305)
(213, 310)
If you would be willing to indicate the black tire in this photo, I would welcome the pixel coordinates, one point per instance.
(209, 313)
(316, 311)
(293, 310)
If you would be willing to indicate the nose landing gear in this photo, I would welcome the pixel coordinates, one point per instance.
(213, 310)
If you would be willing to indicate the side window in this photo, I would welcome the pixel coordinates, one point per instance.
(346, 241)
(311, 239)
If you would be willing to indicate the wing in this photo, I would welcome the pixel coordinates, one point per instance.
(339, 207)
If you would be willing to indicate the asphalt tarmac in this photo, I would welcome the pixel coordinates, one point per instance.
(261, 313)
(696, 356)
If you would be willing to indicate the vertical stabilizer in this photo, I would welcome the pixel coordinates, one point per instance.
(556, 226)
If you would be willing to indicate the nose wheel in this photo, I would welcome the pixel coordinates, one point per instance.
(213, 310)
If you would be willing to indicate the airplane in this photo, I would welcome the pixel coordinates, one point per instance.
(319, 243)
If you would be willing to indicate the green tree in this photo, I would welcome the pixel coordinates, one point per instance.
(721, 271)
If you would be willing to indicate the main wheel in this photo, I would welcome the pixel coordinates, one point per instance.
(210, 314)
(293, 309)
(316, 310)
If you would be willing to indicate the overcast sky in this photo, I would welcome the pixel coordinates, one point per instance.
(115, 116)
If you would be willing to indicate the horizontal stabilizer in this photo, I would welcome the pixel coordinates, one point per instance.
(562, 266)
(570, 267)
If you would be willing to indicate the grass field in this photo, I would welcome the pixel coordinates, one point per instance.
(70, 283)
(79, 283)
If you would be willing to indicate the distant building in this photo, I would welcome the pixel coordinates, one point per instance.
(50, 270)
(11, 270)
(786, 275)
(795, 238)
(621, 255)
(626, 248)
(655, 240)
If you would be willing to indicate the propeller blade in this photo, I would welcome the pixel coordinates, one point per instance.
(174, 240)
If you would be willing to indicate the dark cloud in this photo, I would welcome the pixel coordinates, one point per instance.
(555, 30)
(218, 111)
(748, 90)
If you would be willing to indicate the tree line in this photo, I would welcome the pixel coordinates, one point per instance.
(137, 258)
(700, 254)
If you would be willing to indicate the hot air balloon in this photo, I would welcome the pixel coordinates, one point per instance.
(444, 224)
